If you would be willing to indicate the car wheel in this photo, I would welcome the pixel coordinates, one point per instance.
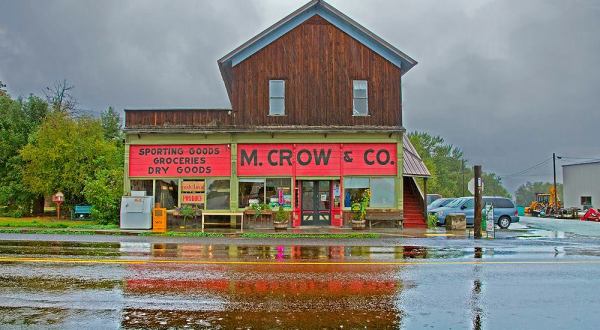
(504, 222)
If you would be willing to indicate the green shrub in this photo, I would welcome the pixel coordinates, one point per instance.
(104, 194)
(431, 221)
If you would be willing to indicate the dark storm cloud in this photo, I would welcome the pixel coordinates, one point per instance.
(507, 81)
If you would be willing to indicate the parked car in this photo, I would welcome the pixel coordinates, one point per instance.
(440, 202)
(433, 197)
(505, 211)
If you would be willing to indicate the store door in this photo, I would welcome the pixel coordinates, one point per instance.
(316, 203)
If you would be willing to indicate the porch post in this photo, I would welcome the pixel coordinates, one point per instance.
(425, 198)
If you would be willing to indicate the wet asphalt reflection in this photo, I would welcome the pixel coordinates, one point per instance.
(156, 285)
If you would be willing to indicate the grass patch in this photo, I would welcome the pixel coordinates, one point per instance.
(308, 235)
(183, 234)
(46, 231)
(51, 224)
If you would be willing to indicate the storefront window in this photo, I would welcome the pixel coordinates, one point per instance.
(166, 193)
(382, 191)
(192, 192)
(279, 192)
(142, 185)
(251, 191)
(217, 196)
(354, 189)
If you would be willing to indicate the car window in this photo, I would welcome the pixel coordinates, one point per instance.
(503, 203)
(469, 204)
(446, 202)
(456, 202)
(436, 203)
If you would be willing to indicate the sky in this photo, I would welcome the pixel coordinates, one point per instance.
(509, 82)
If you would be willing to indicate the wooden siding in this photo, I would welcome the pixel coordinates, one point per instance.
(177, 118)
(318, 62)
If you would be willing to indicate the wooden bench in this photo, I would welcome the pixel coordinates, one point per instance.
(395, 217)
(81, 211)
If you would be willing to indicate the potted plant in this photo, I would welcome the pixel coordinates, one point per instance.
(259, 211)
(186, 211)
(282, 217)
(359, 210)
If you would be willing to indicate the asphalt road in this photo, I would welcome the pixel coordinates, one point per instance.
(529, 279)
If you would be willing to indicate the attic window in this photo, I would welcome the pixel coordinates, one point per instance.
(360, 103)
(276, 97)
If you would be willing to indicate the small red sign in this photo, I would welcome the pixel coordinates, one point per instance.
(194, 160)
(317, 159)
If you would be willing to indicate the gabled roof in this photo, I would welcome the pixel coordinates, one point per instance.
(413, 164)
(329, 13)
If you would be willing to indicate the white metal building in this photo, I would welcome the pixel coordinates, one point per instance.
(581, 185)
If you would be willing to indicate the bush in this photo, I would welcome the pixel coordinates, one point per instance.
(104, 194)
(431, 221)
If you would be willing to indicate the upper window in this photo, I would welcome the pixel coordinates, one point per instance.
(276, 97)
(360, 102)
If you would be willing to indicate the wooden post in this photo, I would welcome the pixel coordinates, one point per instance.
(425, 198)
(477, 207)
(58, 211)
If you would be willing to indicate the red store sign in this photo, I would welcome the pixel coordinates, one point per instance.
(331, 159)
(194, 160)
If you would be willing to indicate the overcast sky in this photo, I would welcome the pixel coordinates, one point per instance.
(509, 82)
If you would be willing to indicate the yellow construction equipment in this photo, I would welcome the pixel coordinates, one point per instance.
(544, 204)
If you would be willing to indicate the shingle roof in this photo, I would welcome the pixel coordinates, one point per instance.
(413, 164)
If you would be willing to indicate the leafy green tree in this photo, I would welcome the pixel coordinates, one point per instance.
(449, 176)
(111, 123)
(492, 185)
(525, 194)
(18, 118)
(65, 153)
(104, 194)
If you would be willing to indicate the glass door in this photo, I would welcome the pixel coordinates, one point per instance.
(316, 203)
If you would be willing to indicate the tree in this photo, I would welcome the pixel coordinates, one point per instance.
(446, 163)
(18, 118)
(60, 98)
(2, 90)
(104, 194)
(65, 153)
(492, 185)
(525, 194)
(111, 123)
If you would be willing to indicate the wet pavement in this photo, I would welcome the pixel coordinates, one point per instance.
(529, 279)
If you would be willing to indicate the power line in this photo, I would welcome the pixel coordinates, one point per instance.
(527, 169)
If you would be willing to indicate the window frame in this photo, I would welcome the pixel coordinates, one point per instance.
(368, 178)
(273, 97)
(355, 97)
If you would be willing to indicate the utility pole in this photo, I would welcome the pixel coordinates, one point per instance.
(478, 200)
(462, 169)
(555, 209)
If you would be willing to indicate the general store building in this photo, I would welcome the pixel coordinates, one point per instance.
(315, 119)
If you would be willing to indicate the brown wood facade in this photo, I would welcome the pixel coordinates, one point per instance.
(318, 62)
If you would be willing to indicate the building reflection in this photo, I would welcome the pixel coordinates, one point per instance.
(270, 292)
